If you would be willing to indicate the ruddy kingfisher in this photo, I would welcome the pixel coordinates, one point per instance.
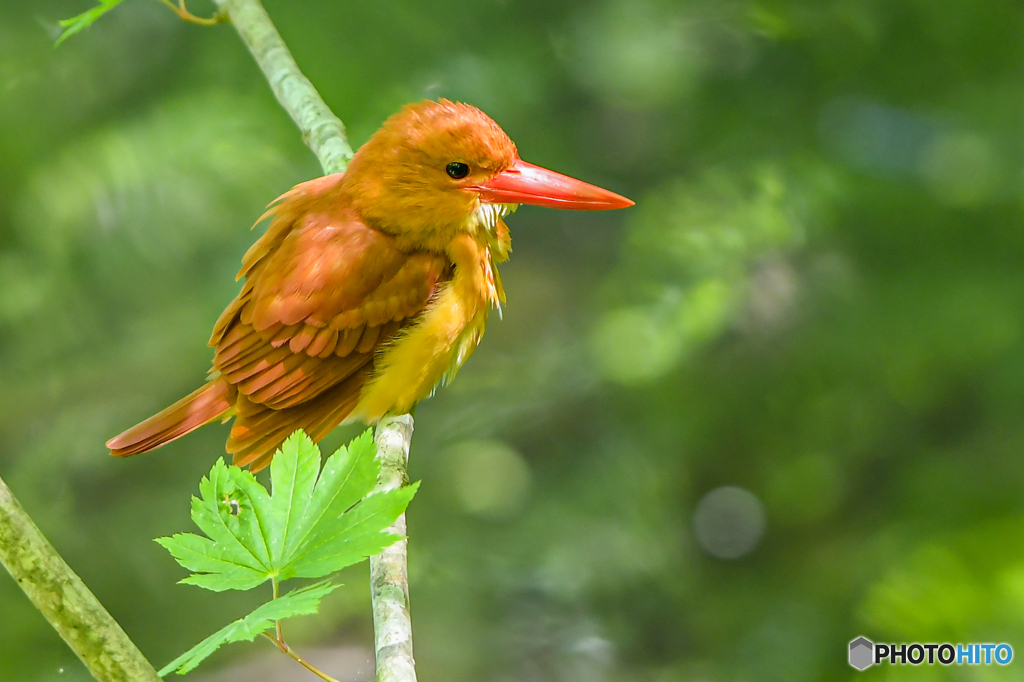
(370, 287)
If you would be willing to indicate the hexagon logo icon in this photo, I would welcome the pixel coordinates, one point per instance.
(862, 653)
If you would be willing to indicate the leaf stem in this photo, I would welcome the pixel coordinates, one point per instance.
(280, 632)
(283, 646)
(185, 15)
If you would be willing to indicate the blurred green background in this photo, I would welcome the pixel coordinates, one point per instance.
(776, 405)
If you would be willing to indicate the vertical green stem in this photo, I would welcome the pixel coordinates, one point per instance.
(277, 593)
(325, 135)
(389, 575)
(320, 128)
(65, 601)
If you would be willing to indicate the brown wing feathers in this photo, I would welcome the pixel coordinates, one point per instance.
(322, 293)
(259, 430)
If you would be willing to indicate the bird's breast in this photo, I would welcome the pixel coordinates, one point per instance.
(433, 347)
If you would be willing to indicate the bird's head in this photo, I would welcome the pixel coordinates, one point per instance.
(437, 168)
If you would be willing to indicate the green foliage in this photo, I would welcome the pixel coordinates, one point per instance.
(300, 602)
(818, 297)
(84, 20)
(309, 527)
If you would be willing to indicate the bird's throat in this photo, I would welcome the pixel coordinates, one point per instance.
(487, 215)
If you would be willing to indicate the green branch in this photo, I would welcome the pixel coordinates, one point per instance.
(321, 130)
(325, 135)
(65, 601)
(389, 572)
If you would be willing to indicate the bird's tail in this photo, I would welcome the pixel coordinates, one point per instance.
(202, 406)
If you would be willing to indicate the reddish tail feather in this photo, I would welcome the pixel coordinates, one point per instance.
(197, 408)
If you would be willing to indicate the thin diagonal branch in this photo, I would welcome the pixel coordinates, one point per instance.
(321, 130)
(65, 601)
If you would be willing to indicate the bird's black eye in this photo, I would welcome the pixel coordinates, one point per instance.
(457, 170)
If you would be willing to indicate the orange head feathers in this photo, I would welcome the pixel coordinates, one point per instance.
(370, 287)
(431, 166)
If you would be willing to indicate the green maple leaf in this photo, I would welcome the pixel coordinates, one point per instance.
(298, 602)
(310, 527)
(315, 523)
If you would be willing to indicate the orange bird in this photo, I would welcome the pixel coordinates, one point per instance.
(370, 287)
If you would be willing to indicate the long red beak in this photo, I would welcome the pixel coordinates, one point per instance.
(524, 183)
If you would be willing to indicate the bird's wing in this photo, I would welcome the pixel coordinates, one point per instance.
(322, 292)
